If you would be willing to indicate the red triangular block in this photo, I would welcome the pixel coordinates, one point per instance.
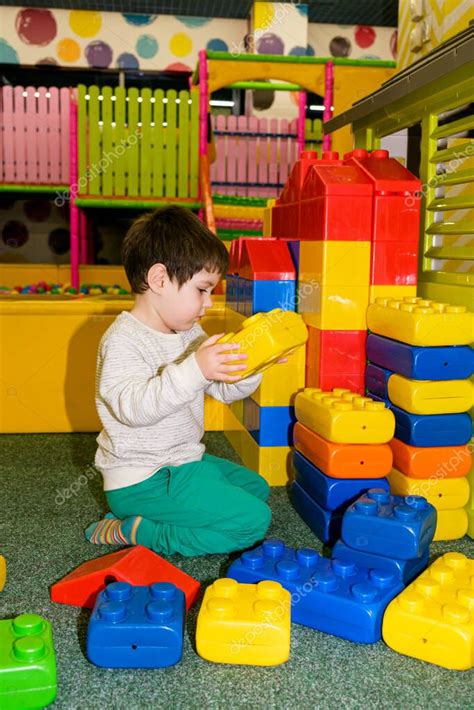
(137, 565)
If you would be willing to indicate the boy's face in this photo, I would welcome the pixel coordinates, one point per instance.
(181, 307)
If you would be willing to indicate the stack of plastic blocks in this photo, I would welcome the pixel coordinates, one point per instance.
(260, 427)
(137, 626)
(470, 503)
(392, 533)
(420, 363)
(341, 450)
(433, 618)
(27, 663)
(261, 276)
(395, 234)
(246, 624)
(336, 596)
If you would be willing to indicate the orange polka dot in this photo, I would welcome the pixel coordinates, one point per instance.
(68, 50)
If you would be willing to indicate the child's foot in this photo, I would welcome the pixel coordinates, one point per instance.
(113, 531)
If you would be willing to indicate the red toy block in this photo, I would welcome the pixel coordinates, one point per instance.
(328, 381)
(236, 248)
(336, 351)
(137, 565)
(266, 260)
(336, 203)
(397, 195)
(394, 264)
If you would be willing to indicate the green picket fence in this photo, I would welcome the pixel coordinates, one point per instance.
(136, 144)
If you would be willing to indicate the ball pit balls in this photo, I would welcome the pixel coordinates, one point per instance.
(46, 289)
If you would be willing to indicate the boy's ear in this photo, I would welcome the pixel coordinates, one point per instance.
(156, 277)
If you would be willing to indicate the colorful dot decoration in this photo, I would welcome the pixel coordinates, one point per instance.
(8, 55)
(193, 22)
(138, 20)
(35, 26)
(127, 61)
(85, 23)
(180, 44)
(68, 50)
(99, 54)
(146, 46)
(217, 45)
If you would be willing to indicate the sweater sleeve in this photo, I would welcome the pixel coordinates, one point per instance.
(133, 395)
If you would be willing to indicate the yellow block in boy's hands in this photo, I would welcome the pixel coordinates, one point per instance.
(267, 337)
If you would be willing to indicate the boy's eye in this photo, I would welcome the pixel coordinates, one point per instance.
(203, 290)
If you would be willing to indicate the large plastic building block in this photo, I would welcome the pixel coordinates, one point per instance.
(269, 426)
(432, 619)
(389, 525)
(334, 596)
(430, 397)
(404, 570)
(136, 565)
(343, 460)
(262, 296)
(336, 204)
(332, 493)
(281, 382)
(376, 380)
(245, 624)
(333, 307)
(328, 381)
(27, 663)
(344, 417)
(394, 263)
(397, 196)
(451, 524)
(265, 260)
(3, 572)
(336, 351)
(396, 293)
(326, 524)
(451, 362)
(137, 626)
(266, 337)
(442, 493)
(335, 263)
(426, 461)
(421, 322)
(431, 429)
(470, 503)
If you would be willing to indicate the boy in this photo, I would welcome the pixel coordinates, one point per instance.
(154, 365)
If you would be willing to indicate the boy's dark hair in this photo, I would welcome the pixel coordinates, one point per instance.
(175, 237)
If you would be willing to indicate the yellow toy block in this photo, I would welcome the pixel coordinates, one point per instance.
(344, 417)
(433, 619)
(3, 572)
(335, 263)
(421, 322)
(266, 337)
(238, 212)
(442, 493)
(331, 307)
(273, 463)
(396, 293)
(213, 414)
(246, 624)
(430, 397)
(280, 383)
(470, 503)
(267, 218)
(451, 524)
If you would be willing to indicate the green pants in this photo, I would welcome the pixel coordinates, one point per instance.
(202, 507)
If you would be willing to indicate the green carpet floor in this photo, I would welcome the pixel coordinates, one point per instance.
(41, 536)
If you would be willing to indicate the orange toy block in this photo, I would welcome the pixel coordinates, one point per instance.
(137, 565)
(343, 460)
(423, 462)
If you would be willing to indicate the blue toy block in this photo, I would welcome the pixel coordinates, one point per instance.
(392, 526)
(267, 295)
(137, 627)
(404, 570)
(326, 524)
(430, 429)
(333, 596)
(231, 291)
(453, 362)
(332, 493)
(294, 247)
(269, 426)
(376, 380)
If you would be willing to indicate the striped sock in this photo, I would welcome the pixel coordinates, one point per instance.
(113, 531)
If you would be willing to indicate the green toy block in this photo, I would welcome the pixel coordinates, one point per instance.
(27, 663)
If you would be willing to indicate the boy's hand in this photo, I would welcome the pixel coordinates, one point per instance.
(214, 359)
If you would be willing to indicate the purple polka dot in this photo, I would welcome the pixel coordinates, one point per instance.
(99, 54)
(127, 61)
(37, 210)
(59, 241)
(270, 44)
(15, 234)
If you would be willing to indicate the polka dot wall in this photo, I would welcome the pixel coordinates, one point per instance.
(125, 40)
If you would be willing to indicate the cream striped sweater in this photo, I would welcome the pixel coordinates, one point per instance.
(150, 400)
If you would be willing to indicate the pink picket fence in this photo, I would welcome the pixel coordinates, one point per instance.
(34, 135)
(253, 155)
